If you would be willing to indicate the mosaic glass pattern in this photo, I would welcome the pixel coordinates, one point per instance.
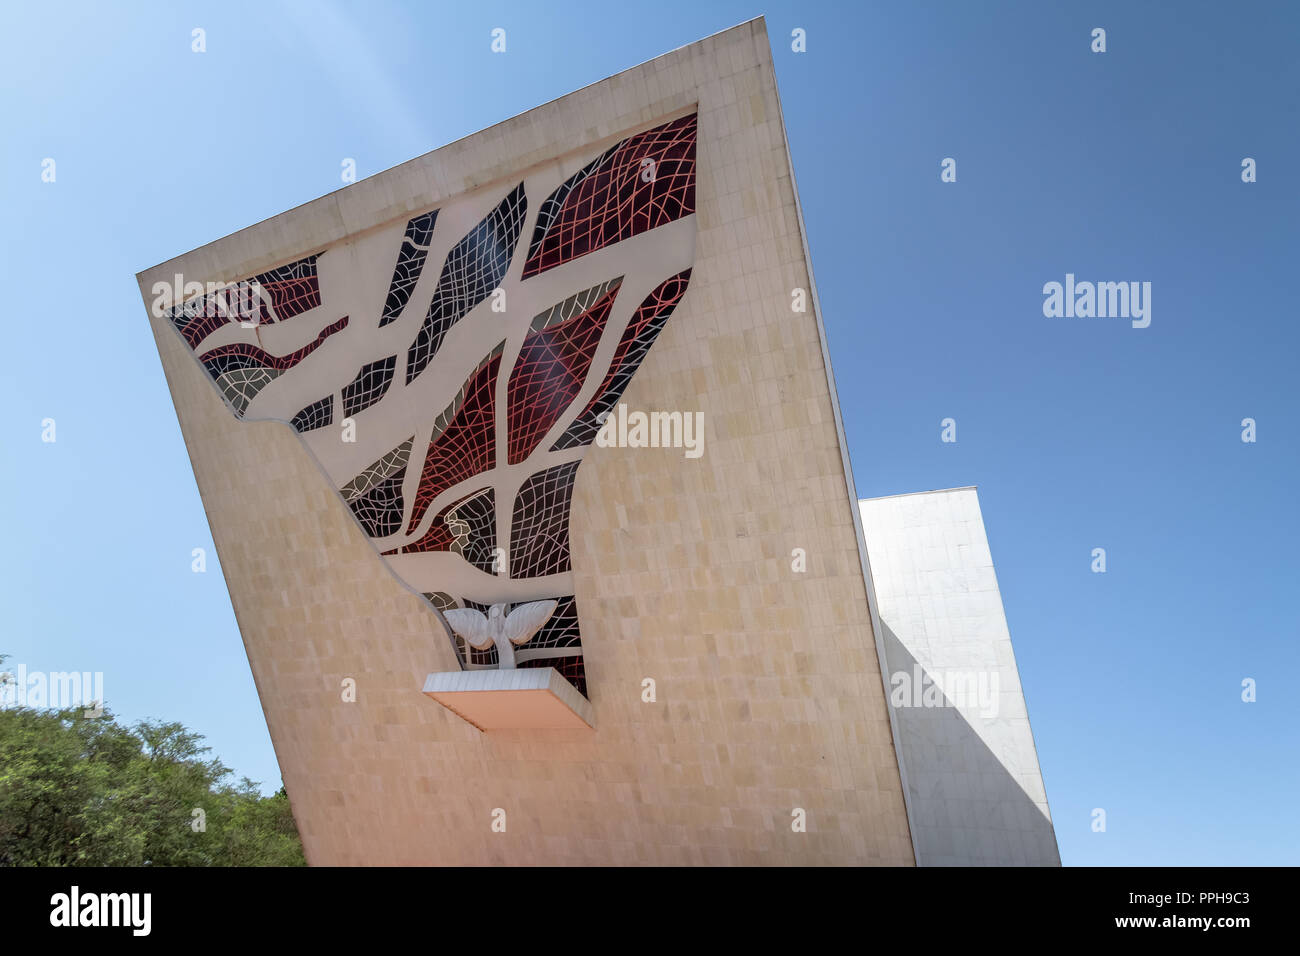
(633, 345)
(540, 529)
(553, 365)
(467, 528)
(645, 181)
(369, 386)
(241, 370)
(316, 415)
(468, 500)
(463, 437)
(375, 495)
(410, 262)
(474, 267)
(273, 296)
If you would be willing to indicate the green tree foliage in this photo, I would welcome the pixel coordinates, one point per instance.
(87, 791)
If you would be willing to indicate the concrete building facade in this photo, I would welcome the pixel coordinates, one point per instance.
(491, 619)
(975, 790)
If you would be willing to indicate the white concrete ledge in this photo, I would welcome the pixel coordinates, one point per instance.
(536, 698)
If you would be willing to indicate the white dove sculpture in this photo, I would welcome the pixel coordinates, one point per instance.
(504, 630)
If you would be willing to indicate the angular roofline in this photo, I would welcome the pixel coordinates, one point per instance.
(425, 156)
(931, 491)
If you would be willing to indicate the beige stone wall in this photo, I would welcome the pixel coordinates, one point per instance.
(769, 688)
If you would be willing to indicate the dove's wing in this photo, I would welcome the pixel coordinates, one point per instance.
(470, 624)
(527, 619)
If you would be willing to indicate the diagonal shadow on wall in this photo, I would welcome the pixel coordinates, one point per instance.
(967, 807)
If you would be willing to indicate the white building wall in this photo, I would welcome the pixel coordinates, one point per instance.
(974, 787)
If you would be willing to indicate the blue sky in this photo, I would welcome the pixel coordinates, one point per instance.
(1080, 433)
